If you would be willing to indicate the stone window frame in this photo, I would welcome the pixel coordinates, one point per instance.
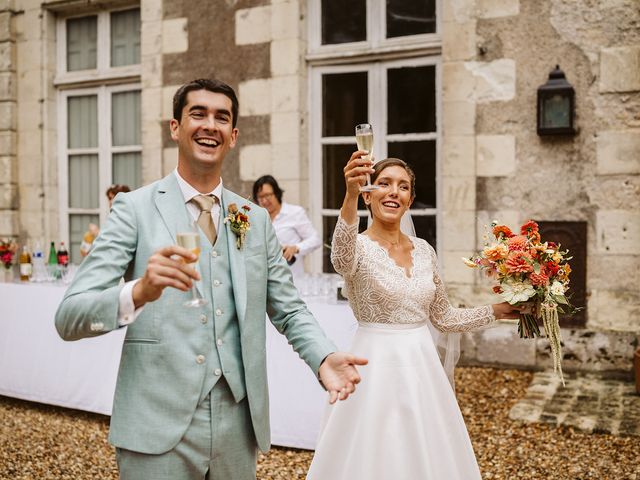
(358, 56)
(102, 81)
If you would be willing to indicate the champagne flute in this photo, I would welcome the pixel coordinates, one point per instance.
(364, 139)
(191, 241)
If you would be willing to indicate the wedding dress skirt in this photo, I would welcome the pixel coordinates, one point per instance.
(403, 421)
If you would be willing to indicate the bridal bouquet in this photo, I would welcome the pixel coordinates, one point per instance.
(527, 269)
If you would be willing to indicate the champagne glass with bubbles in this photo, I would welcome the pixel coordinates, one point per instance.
(364, 139)
(190, 240)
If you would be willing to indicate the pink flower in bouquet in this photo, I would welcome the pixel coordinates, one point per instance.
(519, 262)
(517, 243)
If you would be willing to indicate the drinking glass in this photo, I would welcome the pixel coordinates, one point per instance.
(364, 139)
(191, 241)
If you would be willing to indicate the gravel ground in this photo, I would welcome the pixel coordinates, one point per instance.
(44, 442)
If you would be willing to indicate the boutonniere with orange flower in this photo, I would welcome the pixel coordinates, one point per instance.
(527, 269)
(238, 222)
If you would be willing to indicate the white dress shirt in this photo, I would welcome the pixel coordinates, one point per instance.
(127, 312)
(293, 227)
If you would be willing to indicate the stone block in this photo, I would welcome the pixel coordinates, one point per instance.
(255, 161)
(9, 225)
(497, 8)
(256, 97)
(7, 57)
(286, 57)
(458, 155)
(285, 20)
(458, 230)
(7, 143)
(495, 155)
(175, 35)
(618, 152)
(458, 41)
(459, 193)
(495, 81)
(7, 31)
(285, 93)
(285, 127)
(458, 84)
(459, 118)
(501, 345)
(8, 119)
(8, 196)
(153, 167)
(169, 159)
(454, 270)
(618, 232)
(296, 191)
(151, 41)
(253, 25)
(150, 11)
(7, 86)
(167, 101)
(620, 69)
(7, 5)
(31, 201)
(285, 161)
(614, 310)
(458, 11)
(8, 169)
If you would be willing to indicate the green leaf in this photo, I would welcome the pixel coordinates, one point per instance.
(560, 299)
(536, 267)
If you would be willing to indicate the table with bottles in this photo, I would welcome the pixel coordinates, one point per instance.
(36, 365)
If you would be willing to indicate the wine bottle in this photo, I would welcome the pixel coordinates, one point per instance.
(26, 268)
(53, 256)
(63, 255)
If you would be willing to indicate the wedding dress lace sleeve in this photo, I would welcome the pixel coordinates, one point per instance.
(343, 248)
(450, 319)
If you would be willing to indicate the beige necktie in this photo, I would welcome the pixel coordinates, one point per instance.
(205, 222)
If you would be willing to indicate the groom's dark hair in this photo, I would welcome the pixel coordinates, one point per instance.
(211, 85)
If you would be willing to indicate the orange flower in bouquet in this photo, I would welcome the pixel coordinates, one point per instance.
(527, 269)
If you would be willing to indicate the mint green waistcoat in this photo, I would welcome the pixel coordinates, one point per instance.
(224, 357)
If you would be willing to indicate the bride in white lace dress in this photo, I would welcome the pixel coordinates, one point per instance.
(404, 422)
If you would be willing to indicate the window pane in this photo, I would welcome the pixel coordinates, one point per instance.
(344, 22)
(127, 169)
(83, 121)
(421, 156)
(125, 38)
(426, 228)
(410, 17)
(83, 181)
(125, 118)
(344, 103)
(411, 99)
(78, 225)
(82, 34)
(334, 158)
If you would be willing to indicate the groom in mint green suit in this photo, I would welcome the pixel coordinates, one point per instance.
(191, 399)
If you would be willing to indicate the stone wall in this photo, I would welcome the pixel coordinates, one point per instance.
(489, 101)
(495, 55)
(8, 124)
(257, 48)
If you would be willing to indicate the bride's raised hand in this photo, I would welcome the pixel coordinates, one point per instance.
(355, 172)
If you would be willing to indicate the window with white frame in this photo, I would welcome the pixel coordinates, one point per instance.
(99, 130)
(357, 78)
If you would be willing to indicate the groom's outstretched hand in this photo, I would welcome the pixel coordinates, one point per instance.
(339, 375)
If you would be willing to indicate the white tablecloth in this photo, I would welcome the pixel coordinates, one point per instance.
(35, 364)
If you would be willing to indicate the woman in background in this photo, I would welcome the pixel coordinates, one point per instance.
(293, 228)
(93, 230)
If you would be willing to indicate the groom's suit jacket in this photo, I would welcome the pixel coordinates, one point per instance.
(161, 375)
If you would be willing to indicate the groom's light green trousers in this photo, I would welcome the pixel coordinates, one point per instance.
(218, 445)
